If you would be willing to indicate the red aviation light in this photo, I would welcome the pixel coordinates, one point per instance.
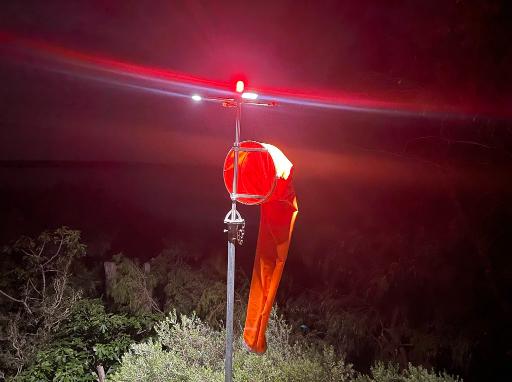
(240, 86)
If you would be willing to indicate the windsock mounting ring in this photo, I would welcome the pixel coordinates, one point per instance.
(257, 175)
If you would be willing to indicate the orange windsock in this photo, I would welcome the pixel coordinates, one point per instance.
(265, 178)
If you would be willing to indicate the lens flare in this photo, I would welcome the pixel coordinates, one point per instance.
(249, 95)
(171, 83)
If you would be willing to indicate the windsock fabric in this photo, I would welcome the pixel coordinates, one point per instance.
(269, 174)
(276, 226)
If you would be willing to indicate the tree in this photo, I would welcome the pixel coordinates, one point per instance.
(88, 338)
(36, 293)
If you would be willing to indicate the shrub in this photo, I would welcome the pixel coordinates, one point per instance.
(188, 289)
(391, 373)
(187, 349)
(132, 287)
(89, 337)
(36, 293)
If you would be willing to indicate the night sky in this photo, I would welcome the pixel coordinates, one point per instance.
(436, 71)
(96, 150)
(446, 55)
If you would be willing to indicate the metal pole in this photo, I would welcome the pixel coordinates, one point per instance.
(232, 238)
(236, 146)
(228, 363)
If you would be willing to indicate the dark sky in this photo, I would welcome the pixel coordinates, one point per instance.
(450, 54)
(448, 48)
(456, 47)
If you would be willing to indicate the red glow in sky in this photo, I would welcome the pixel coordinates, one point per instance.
(76, 61)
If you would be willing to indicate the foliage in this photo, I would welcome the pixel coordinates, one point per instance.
(138, 289)
(132, 287)
(188, 289)
(373, 314)
(391, 373)
(187, 349)
(89, 337)
(36, 295)
(69, 340)
(192, 340)
(289, 361)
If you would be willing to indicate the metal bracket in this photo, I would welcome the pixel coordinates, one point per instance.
(236, 226)
(236, 232)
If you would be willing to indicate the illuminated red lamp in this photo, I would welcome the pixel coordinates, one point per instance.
(240, 86)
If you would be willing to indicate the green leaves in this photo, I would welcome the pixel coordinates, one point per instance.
(90, 336)
(187, 349)
(38, 295)
(68, 341)
(391, 373)
(64, 360)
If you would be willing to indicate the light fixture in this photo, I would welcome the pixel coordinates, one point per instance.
(240, 86)
(249, 95)
(197, 97)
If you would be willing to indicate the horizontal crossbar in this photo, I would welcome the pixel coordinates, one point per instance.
(247, 196)
(249, 149)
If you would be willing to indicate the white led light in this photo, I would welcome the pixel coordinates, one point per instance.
(196, 97)
(240, 86)
(248, 95)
